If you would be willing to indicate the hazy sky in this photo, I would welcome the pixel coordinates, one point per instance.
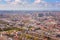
(29, 4)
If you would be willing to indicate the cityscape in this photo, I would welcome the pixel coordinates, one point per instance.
(29, 25)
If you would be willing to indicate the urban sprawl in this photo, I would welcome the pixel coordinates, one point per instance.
(30, 25)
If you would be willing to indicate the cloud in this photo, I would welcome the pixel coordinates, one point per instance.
(8, 1)
(25, 5)
(57, 4)
(17, 2)
(12, 1)
(37, 1)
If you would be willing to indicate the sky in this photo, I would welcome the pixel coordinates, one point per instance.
(29, 4)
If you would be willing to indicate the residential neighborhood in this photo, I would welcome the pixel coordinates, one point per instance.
(43, 25)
